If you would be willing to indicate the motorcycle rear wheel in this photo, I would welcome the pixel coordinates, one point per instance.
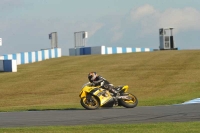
(91, 104)
(129, 103)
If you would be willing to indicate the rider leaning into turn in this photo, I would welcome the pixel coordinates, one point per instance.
(97, 80)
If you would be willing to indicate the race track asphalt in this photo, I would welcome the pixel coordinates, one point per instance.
(143, 114)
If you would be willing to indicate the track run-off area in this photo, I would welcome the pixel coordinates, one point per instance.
(140, 114)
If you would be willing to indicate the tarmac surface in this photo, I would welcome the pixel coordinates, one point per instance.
(143, 114)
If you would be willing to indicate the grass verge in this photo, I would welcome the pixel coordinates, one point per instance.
(156, 78)
(178, 127)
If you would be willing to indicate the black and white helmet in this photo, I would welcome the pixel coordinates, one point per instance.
(92, 76)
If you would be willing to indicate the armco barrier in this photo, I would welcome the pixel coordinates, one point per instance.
(105, 50)
(9, 62)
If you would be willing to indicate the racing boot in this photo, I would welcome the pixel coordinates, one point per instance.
(115, 94)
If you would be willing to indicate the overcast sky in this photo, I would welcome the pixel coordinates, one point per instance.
(25, 24)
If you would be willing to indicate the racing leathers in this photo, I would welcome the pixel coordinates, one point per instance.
(99, 80)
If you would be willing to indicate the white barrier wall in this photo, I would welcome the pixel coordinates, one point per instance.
(30, 57)
(9, 62)
(105, 50)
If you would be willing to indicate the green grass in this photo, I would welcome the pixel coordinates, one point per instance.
(184, 127)
(156, 78)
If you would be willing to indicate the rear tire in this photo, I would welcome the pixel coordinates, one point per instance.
(129, 103)
(91, 103)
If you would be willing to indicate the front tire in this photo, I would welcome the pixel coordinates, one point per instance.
(90, 103)
(129, 103)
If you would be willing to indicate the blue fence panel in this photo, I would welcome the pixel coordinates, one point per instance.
(133, 49)
(142, 49)
(14, 56)
(22, 58)
(30, 57)
(5, 57)
(114, 50)
(87, 50)
(43, 55)
(124, 50)
(36, 56)
(50, 53)
(7, 65)
(56, 52)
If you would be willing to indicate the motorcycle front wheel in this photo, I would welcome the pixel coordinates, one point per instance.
(90, 103)
(129, 103)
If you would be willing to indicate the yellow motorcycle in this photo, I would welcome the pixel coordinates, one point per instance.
(93, 97)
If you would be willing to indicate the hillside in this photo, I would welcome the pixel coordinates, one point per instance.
(156, 78)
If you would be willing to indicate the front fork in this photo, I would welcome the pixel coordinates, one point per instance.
(89, 97)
